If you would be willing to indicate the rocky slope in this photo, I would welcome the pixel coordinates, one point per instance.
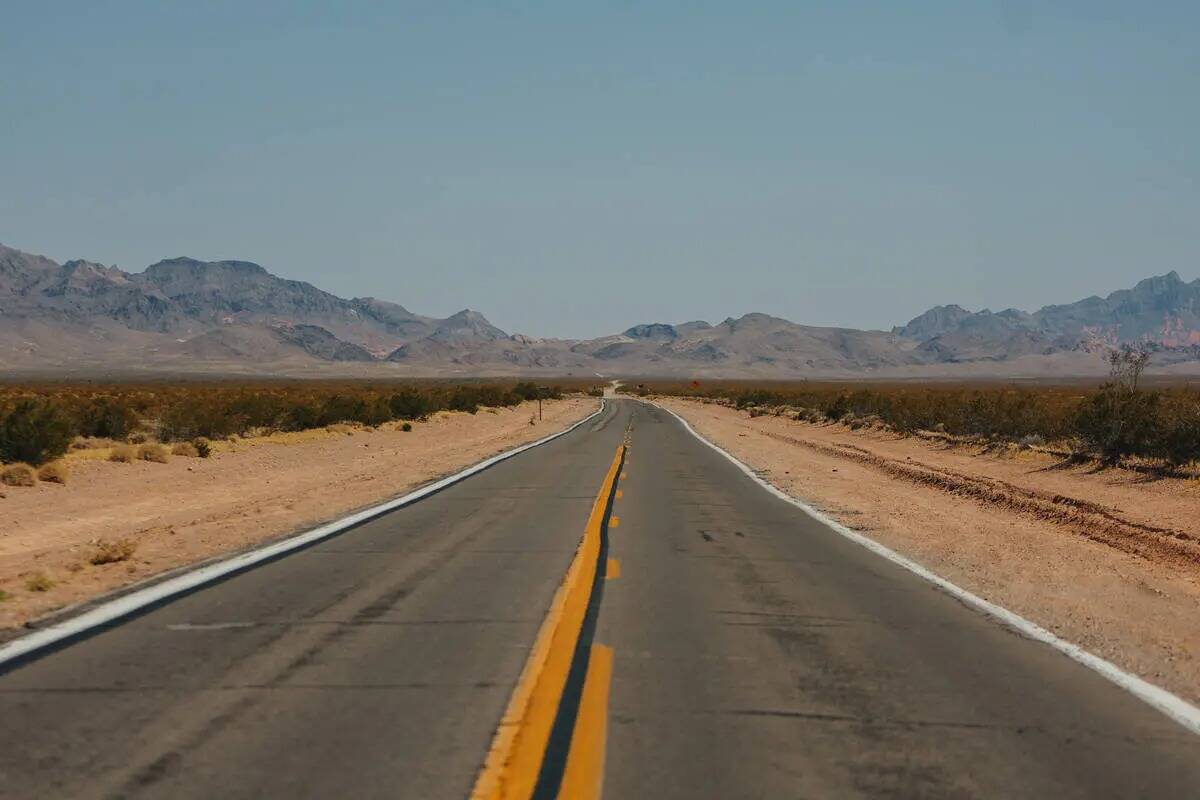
(187, 315)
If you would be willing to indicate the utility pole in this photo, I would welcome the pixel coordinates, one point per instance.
(542, 392)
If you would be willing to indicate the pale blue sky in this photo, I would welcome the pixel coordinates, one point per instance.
(573, 168)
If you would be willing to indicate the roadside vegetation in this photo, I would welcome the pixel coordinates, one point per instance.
(1116, 421)
(40, 423)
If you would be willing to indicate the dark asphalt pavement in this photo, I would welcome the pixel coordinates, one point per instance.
(757, 654)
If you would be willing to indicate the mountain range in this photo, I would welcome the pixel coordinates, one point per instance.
(183, 315)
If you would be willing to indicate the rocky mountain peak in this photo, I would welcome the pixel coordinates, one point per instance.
(655, 330)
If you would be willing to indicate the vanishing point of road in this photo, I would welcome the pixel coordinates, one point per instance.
(618, 611)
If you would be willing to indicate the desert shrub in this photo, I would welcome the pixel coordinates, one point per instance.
(124, 454)
(203, 447)
(111, 552)
(1116, 422)
(302, 417)
(406, 427)
(463, 399)
(348, 408)
(39, 582)
(185, 449)
(18, 475)
(839, 408)
(595, 391)
(106, 418)
(410, 404)
(152, 451)
(37, 422)
(194, 417)
(53, 472)
(527, 390)
(1178, 430)
(34, 431)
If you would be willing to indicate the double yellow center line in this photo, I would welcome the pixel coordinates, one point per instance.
(515, 760)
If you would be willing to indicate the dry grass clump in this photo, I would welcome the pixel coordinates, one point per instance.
(54, 472)
(18, 475)
(124, 454)
(340, 427)
(39, 582)
(185, 449)
(93, 443)
(152, 451)
(107, 552)
(203, 447)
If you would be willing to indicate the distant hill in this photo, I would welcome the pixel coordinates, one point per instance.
(185, 315)
(1162, 312)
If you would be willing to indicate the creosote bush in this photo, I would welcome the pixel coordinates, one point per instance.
(34, 431)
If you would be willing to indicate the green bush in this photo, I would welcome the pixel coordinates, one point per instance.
(410, 404)
(463, 398)
(1178, 431)
(106, 418)
(193, 417)
(1117, 422)
(34, 431)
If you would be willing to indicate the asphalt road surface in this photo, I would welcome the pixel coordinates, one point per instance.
(755, 654)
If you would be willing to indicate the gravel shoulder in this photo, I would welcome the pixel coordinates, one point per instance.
(1108, 559)
(191, 509)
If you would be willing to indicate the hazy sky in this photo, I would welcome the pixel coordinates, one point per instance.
(573, 168)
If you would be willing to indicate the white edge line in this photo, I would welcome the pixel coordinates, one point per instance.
(129, 603)
(1172, 705)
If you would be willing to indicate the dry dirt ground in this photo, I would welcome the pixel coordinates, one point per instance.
(1108, 559)
(191, 509)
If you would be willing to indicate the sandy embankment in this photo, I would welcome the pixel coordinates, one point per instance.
(191, 509)
(1109, 560)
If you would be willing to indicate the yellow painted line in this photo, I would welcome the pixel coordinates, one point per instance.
(612, 569)
(614, 521)
(519, 746)
(583, 778)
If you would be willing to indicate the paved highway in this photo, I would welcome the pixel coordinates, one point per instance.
(711, 641)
